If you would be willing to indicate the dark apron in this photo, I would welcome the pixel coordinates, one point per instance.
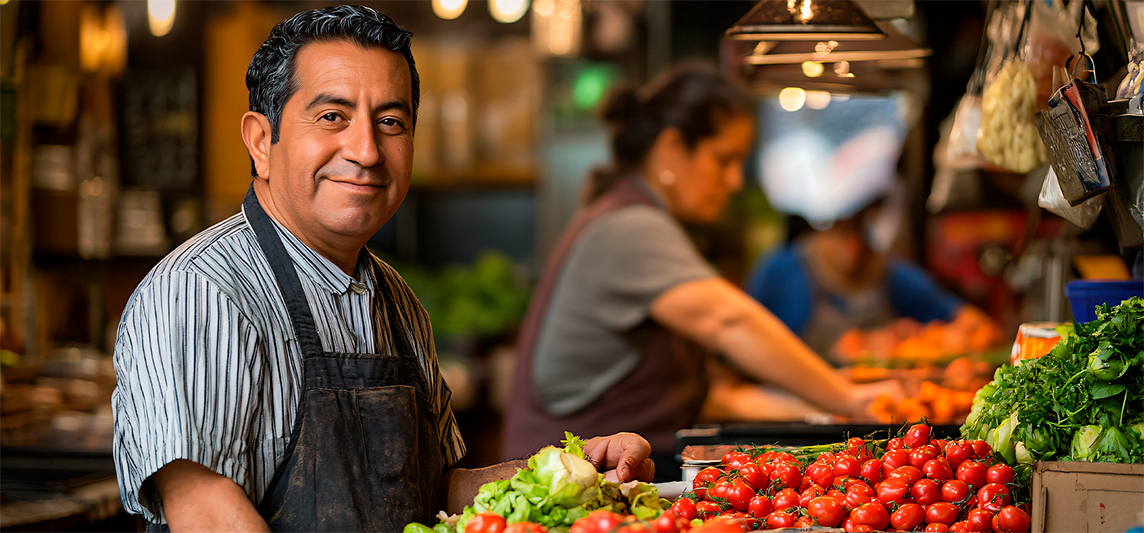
(364, 453)
(664, 392)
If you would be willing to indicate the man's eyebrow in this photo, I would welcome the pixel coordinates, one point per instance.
(327, 98)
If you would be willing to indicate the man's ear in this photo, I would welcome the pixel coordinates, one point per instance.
(256, 135)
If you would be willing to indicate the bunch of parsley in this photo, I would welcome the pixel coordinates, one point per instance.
(1083, 401)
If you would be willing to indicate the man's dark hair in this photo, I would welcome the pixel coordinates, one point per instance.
(271, 77)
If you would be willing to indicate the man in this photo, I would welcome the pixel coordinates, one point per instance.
(273, 374)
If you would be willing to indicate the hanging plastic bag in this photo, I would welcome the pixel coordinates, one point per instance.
(1052, 199)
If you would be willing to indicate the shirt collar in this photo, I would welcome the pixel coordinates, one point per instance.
(325, 274)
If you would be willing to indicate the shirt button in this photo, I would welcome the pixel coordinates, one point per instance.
(358, 288)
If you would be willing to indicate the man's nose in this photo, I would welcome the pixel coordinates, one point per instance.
(361, 144)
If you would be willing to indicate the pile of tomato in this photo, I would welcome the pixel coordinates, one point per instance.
(917, 483)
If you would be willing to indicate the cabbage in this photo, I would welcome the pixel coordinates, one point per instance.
(1111, 446)
(1083, 442)
(569, 478)
(1001, 439)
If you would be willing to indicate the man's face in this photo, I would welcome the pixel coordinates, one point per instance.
(342, 162)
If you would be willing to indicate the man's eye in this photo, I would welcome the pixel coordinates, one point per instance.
(390, 121)
(330, 117)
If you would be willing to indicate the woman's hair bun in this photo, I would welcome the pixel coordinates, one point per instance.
(621, 106)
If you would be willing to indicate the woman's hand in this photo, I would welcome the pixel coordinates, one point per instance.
(624, 456)
(862, 395)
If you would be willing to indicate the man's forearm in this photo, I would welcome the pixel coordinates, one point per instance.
(460, 485)
(196, 499)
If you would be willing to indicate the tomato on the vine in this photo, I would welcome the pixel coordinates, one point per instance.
(847, 466)
(739, 495)
(871, 471)
(918, 435)
(893, 490)
(871, 514)
(705, 477)
(826, 458)
(486, 522)
(936, 527)
(981, 448)
(788, 474)
(993, 496)
(785, 499)
(809, 494)
(999, 473)
(705, 509)
(960, 527)
(735, 459)
(1012, 519)
(597, 521)
(942, 513)
(893, 459)
(972, 473)
(907, 517)
(907, 472)
(980, 520)
(937, 469)
(684, 508)
(826, 511)
(719, 491)
(821, 474)
(955, 490)
(926, 491)
(858, 495)
(760, 507)
(894, 444)
(918, 457)
(754, 475)
(529, 527)
(779, 519)
(958, 452)
(803, 522)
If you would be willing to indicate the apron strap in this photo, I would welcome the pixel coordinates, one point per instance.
(284, 274)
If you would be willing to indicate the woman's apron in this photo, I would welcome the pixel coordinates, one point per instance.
(364, 453)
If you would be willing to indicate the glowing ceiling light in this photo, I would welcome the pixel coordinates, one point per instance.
(449, 9)
(792, 98)
(812, 69)
(508, 11)
(160, 16)
(817, 99)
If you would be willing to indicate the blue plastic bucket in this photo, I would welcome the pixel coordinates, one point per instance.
(1085, 294)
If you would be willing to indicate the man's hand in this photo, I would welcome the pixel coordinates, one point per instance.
(197, 499)
(624, 455)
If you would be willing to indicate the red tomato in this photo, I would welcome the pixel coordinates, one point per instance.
(871, 471)
(809, 494)
(489, 522)
(848, 466)
(861, 528)
(993, 496)
(779, 519)
(718, 525)
(754, 475)
(668, 522)
(705, 477)
(854, 444)
(825, 458)
(940, 444)
(907, 472)
(857, 495)
(838, 496)
(871, 514)
(803, 522)
(917, 436)
(972, 473)
(785, 499)
(958, 452)
(825, 511)
(893, 490)
(894, 444)
(894, 459)
(999, 473)
(942, 513)
(956, 491)
(980, 520)
(596, 522)
(634, 527)
(908, 517)
(529, 527)
(920, 456)
(821, 474)
(926, 491)
(760, 507)
(980, 448)
(960, 527)
(784, 457)
(739, 495)
(706, 509)
(936, 527)
(735, 459)
(684, 508)
(788, 474)
(719, 490)
(937, 469)
(1012, 520)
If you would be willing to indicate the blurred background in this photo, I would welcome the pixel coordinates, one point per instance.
(119, 123)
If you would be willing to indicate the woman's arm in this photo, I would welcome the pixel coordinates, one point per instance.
(721, 317)
(197, 499)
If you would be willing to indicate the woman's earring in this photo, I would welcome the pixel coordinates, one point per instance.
(667, 177)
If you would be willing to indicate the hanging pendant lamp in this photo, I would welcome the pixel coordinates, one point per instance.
(805, 20)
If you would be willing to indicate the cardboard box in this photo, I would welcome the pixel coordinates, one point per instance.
(1081, 496)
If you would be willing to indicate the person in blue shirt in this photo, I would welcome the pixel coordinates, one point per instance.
(831, 280)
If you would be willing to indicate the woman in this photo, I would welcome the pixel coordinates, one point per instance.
(627, 310)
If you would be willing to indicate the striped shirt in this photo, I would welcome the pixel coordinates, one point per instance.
(209, 370)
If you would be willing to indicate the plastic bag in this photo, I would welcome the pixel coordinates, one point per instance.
(1052, 199)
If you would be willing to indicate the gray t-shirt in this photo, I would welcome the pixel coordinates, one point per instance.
(591, 337)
